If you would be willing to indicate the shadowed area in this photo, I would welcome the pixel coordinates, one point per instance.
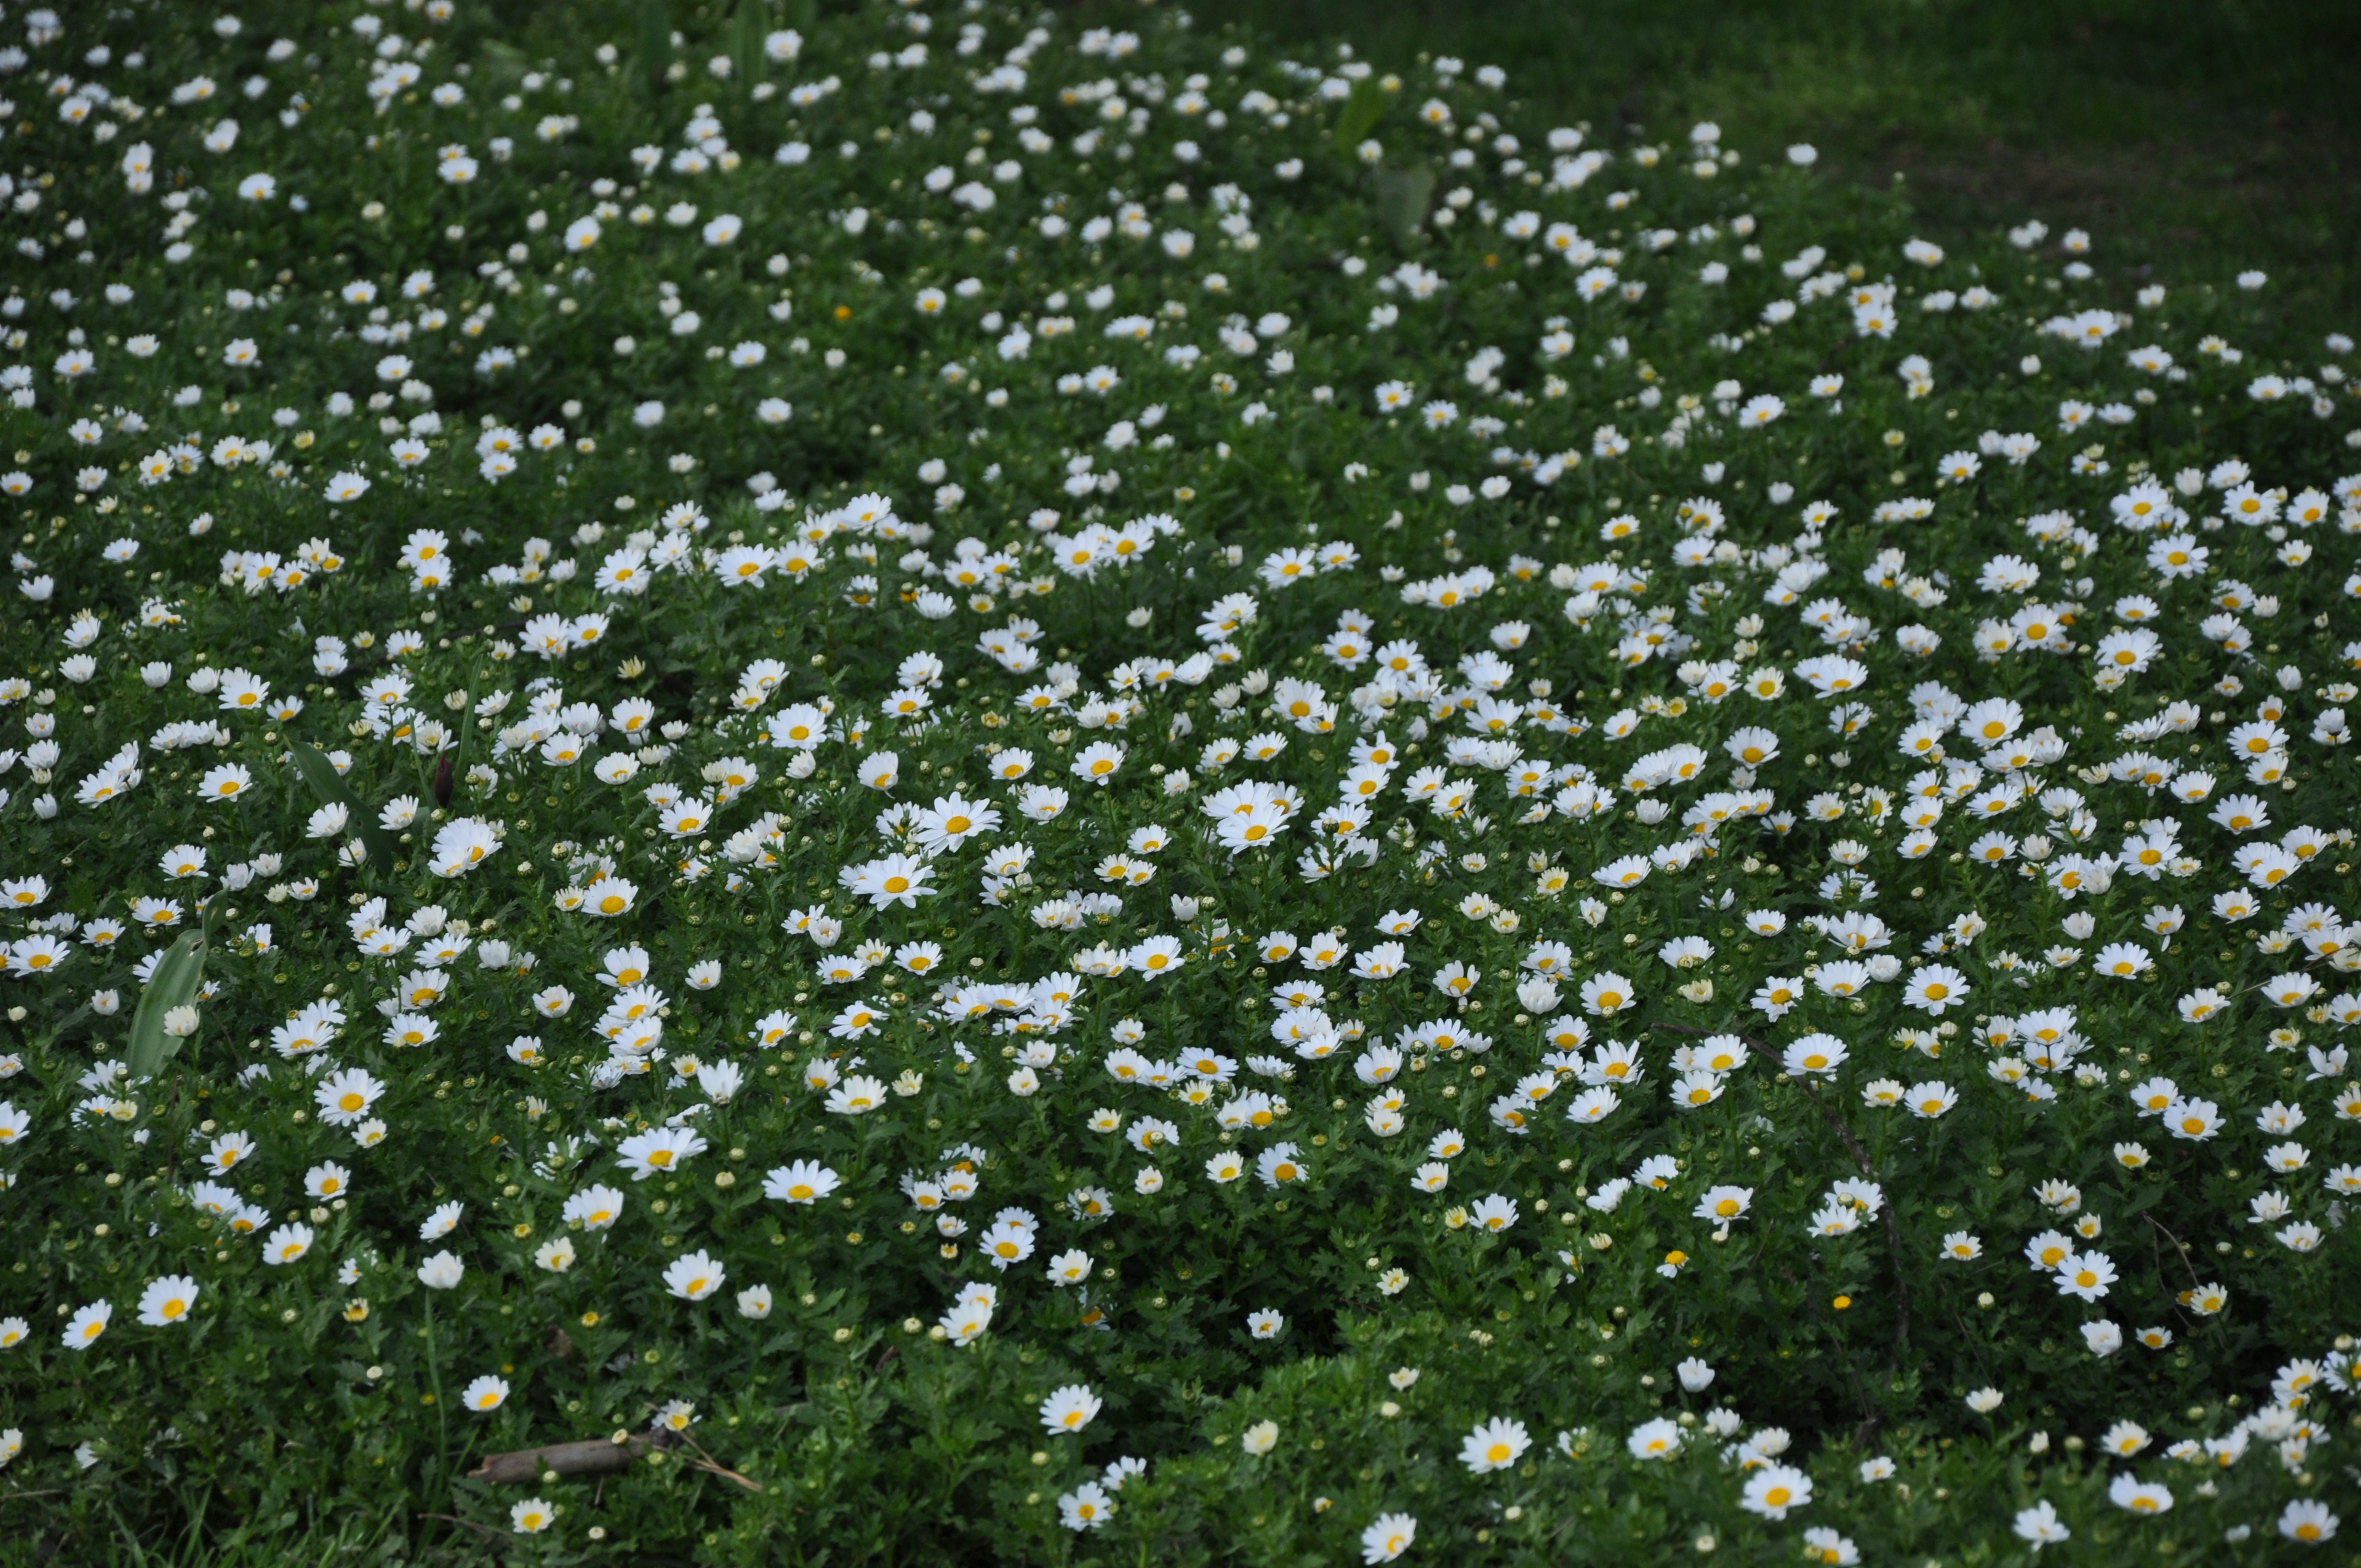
(2201, 137)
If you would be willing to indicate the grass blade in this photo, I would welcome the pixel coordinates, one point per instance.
(752, 23)
(656, 42)
(329, 785)
(1359, 115)
(173, 983)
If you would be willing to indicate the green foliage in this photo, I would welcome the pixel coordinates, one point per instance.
(1588, 546)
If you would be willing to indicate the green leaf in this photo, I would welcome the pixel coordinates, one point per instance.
(466, 728)
(502, 63)
(321, 774)
(752, 22)
(1403, 196)
(655, 41)
(1359, 115)
(173, 983)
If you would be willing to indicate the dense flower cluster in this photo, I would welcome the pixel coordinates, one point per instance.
(1075, 789)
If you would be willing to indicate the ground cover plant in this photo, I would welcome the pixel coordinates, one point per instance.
(1003, 791)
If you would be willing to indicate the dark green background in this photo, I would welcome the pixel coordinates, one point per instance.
(2197, 137)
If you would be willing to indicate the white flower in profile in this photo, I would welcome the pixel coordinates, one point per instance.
(596, 1207)
(1494, 1213)
(1658, 1439)
(286, 1244)
(658, 1150)
(801, 1181)
(856, 1096)
(1070, 1408)
(168, 1300)
(1774, 1489)
(2039, 1524)
(84, 1328)
(693, 1276)
(442, 1272)
(461, 845)
(484, 1395)
(609, 897)
(442, 1221)
(1388, 1537)
(721, 1080)
(2307, 1520)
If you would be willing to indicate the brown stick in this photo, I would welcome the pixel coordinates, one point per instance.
(591, 1457)
(2194, 1283)
(713, 1466)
